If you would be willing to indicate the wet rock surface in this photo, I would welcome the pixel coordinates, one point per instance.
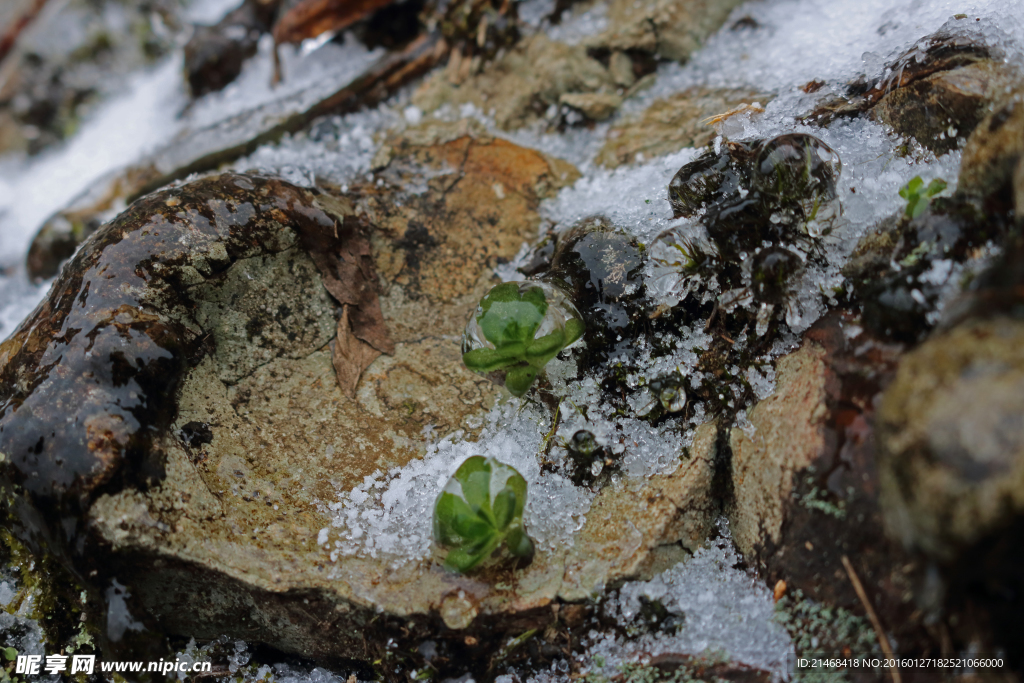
(214, 55)
(213, 427)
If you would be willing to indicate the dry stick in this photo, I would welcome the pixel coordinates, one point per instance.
(882, 639)
(9, 37)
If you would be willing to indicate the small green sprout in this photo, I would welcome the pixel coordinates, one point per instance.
(10, 654)
(501, 336)
(480, 508)
(918, 196)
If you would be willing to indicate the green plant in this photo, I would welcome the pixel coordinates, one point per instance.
(918, 195)
(508, 318)
(480, 508)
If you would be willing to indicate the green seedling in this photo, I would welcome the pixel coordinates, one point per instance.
(509, 318)
(919, 196)
(481, 508)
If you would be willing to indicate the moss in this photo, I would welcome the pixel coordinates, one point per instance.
(817, 499)
(50, 596)
(819, 629)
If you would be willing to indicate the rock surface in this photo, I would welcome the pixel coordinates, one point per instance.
(671, 124)
(994, 150)
(667, 29)
(520, 87)
(199, 484)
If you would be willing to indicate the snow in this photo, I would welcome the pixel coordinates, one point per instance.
(390, 513)
(723, 610)
(727, 609)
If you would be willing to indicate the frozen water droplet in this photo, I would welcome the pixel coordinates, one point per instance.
(673, 398)
(797, 166)
(764, 316)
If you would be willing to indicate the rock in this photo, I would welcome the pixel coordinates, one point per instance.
(805, 484)
(790, 435)
(596, 106)
(936, 92)
(994, 150)
(952, 446)
(942, 109)
(668, 29)
(214, 54)
(620, 66)
(208, 148)
(60, 235)
(518, 88)
(671, 124)
(900, 269)
(211, 431)
(951, 461)
(1018, 189)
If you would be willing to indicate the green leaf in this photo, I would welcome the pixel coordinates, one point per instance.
(574, 329)
(519, 379)
(936, 186)
(449, 507)
(506, 316)
(472, 526)
(507, 322)
(518, 543)
(463, 559)
(508, 291)
(10, 654)
(489, 360)
(918, 196)
(545, 348)
(912, 188)
(475, 477)
(504, 508)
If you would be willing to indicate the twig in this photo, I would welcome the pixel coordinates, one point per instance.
(10, 36)
(883, 640)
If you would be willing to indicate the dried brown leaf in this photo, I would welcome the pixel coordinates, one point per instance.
(350, 356)
(342, 254)
(310, 18)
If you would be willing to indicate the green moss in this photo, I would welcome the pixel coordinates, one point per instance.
(818, 629)
(818, 499)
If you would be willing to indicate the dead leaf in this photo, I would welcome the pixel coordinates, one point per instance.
(350, 356)
(343, 256)
(340, 247)
(310, 18)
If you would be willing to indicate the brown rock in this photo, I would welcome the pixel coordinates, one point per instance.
(805, 484)
(789, 436)
(942, 109)
(953, 446)
(671, 124)
(518, 88)
(669, 29)
(596, 106)
(251, 435)
(993, 150)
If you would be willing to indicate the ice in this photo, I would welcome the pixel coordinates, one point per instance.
(338, 150)
(117, 134)
(208, 12)
(724, 610)
(394, 520)
(307, 78)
